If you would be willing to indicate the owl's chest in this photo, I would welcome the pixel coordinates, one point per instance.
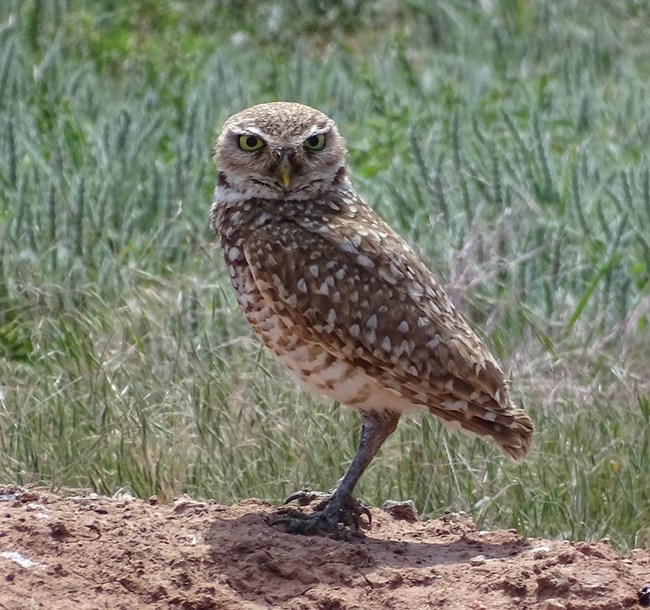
(317, 366)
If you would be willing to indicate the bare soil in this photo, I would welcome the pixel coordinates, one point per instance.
(88, 552)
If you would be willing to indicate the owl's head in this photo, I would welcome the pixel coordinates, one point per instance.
(280, 150)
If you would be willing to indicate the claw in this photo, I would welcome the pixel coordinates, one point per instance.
(306, 497)
(296, 522)
(339, 521)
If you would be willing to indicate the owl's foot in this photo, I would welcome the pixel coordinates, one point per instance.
(335, 516)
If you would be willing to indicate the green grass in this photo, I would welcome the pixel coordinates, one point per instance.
(507, 140)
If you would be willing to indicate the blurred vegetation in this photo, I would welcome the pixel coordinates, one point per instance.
(506, 139)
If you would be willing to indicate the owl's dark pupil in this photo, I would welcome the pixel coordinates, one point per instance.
(313, 141)
(251, 141)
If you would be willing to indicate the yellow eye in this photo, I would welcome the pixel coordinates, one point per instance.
(316, 142)
(250, 143)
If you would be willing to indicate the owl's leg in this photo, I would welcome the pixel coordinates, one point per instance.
(341, 507)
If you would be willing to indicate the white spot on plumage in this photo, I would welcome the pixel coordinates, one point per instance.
(347, 246)
(331, 317)
(302, 285)
(313, 269)
(404, 326)
(416, 291)
(372, 322)
(245, 299)
(303, 356)
(455, 405)
(233, 253)
(387, 277)
(366, 262)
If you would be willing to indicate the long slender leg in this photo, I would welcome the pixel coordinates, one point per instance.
(376, 427)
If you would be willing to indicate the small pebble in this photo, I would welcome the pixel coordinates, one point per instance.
(478, 560)
(540, 551)
(404, 511)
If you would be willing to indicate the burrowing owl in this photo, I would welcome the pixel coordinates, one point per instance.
(340, 298)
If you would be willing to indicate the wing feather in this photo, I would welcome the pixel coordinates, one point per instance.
(371, 300)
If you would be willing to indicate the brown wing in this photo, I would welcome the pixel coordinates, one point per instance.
(369, 298)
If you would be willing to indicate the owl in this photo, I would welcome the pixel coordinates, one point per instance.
(342, 300)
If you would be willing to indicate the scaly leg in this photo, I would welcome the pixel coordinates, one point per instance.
(341, 507)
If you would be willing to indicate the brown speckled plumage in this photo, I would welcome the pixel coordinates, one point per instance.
(335, 293)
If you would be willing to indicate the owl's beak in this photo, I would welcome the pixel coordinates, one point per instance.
(285, 171)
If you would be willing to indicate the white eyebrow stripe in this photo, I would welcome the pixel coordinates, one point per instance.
(316, 131)
(252, 131)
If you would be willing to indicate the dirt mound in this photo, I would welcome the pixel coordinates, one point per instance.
(89, 552)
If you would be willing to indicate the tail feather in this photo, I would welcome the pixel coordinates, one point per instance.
(509, 428)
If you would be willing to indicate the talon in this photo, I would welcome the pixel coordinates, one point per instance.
(329, 516)
(303, 497)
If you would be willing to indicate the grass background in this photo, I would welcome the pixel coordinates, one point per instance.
(506, 139)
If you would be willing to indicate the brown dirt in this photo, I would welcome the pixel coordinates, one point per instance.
(89, 552)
